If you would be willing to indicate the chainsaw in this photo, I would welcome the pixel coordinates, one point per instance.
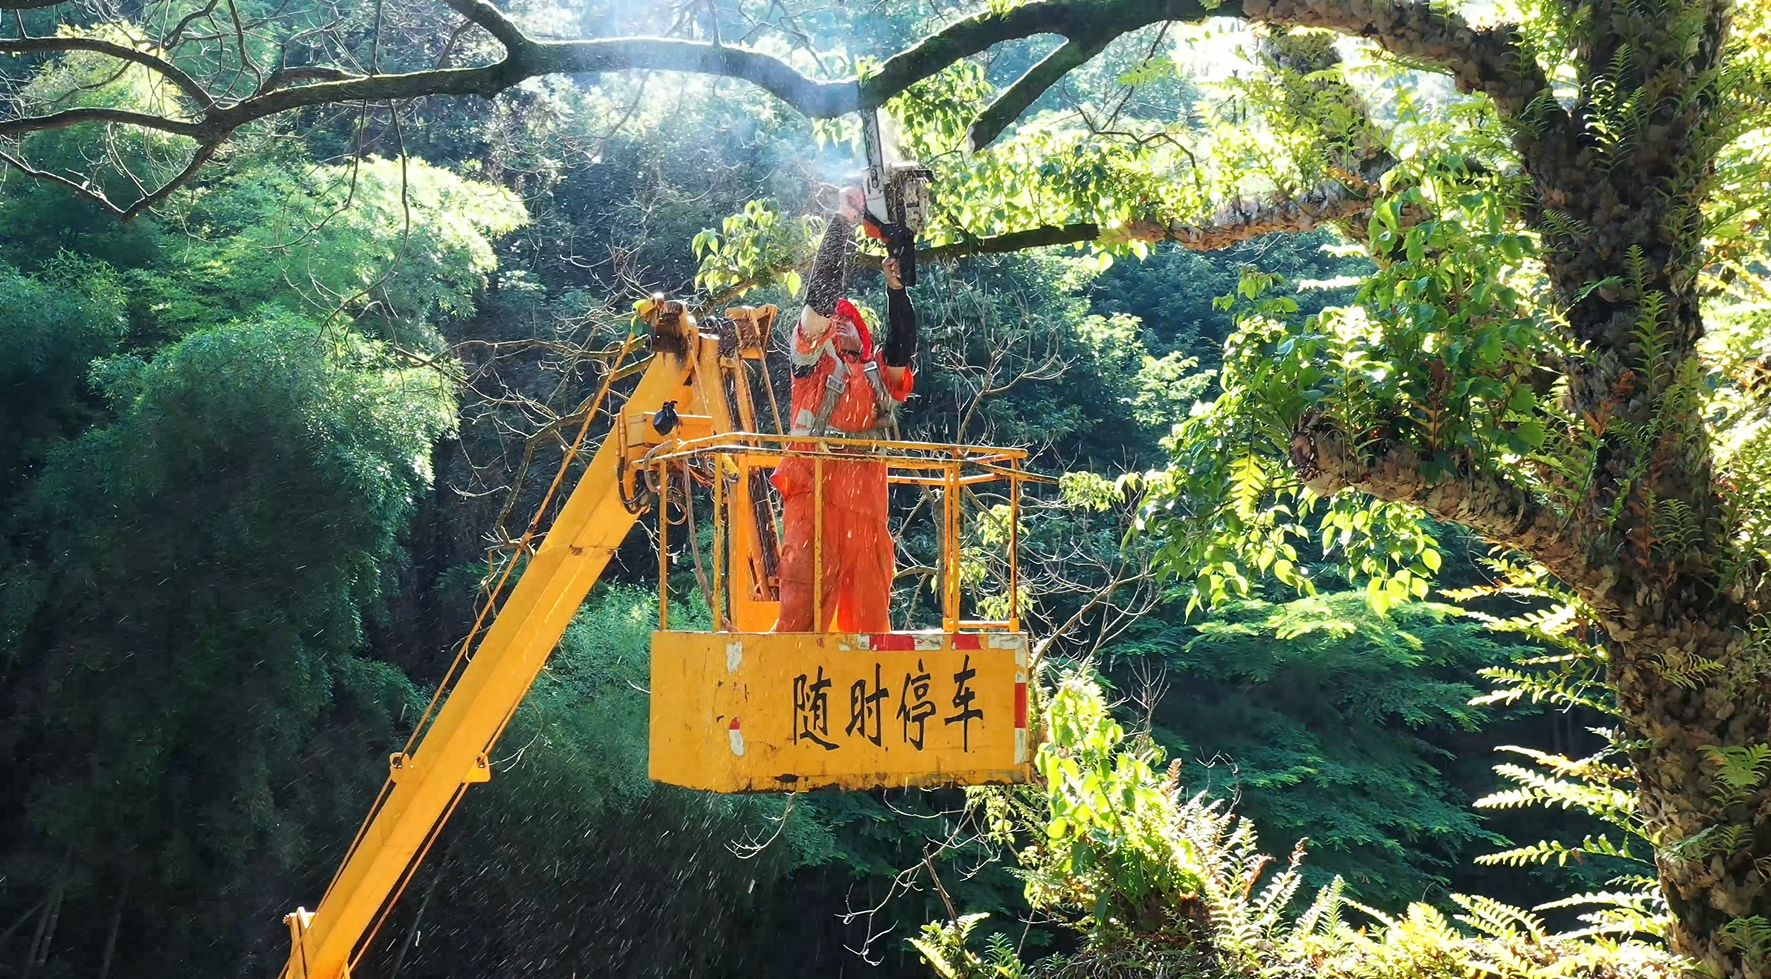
(897, 193)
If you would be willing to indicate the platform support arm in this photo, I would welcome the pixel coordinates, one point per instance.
(452, 754)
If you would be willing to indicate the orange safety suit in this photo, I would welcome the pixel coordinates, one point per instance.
(857, 552)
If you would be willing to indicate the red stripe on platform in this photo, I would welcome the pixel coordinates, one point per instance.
(882, 641)
(968, 641)
(1021, 705)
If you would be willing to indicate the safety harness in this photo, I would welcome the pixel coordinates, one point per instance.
(884, 423)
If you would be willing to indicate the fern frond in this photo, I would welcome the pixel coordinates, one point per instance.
(1323, 916)
(1749, 936)
(1740, 771)
(1497, 919)
(1534, 788)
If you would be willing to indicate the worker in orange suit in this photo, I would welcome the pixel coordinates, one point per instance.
(844, 386)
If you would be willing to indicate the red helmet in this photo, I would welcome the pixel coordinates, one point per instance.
(846, 310)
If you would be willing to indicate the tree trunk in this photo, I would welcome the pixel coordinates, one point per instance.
(45, 935)
(1618, 199)
(104, 965)
(1695, 702)
(1649, 543)
(1688, 673)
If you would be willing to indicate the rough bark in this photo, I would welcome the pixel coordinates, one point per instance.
(1328, 461)
(1645, 543)
(1237, 221)
(1715, 841)
(1690, 674)
(1485, 60)
(1689, 670)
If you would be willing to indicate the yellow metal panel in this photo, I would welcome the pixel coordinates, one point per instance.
(756, 712)
(752, 611)
(725, 388)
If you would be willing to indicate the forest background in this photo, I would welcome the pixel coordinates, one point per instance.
(261, 441)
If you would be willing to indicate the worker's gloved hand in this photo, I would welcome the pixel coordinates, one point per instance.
(900, 343)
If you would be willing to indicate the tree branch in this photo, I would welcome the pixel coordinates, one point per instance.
(493, 21)
(1068, 18)
(1327, 461)
(79, 190)
(148, 201)
(308, 73)
(1013, 241)
(819, 99)
(1241, 220)
(173, 73)
(86, 114)
(1236, 222)
(1027, 89)
(1487, 60)
(528, 58)
(536, 58)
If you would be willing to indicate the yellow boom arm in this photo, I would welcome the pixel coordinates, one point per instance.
(712, 395)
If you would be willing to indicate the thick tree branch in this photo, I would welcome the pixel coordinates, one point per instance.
(1480, 60)
(1013, 241)
(173, 73)
(1409, 29)
(493, 21)
(528, 58)
(1068, 18)
(1327, 461)
(1027, 89)
(1487, 60)
(1239, 221)
(284, 77)
(533, 59)
(820, 99)
(1242, 220)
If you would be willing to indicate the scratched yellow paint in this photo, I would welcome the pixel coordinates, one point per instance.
(765, 712)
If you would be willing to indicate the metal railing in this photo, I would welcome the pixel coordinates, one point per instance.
(949, 469)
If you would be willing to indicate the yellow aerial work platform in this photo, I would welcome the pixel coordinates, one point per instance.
(736, 707)
(742, 709)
